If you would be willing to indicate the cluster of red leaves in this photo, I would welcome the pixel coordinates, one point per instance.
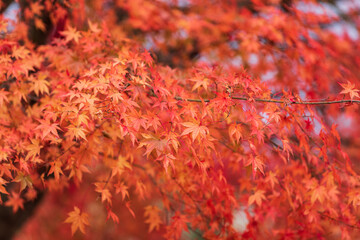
(95, 120)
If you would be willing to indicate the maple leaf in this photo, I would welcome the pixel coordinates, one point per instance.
(152, 217)
(178, 224)
(93, 27)
(78, 220)
(25, 181)
(3, 97)
(112, 215)
(200, 81)
(39, 24)
(354, 198)
(76, 132)
(105, 193)
(120, 165)
(195, 130)
(20, 52)
(318, 194)
(120, 187)
(78, 171)
(127, 205)
(2, 187)
(15, 201)
(287, 148)
(71, 34)
(36, 8)
(235, 132)
(166, 160)
(153, 143)
(40, 85)
(56, 169)
(349, 88)
(257, 197)
(47, 128)
(33, 149)
(256, 163)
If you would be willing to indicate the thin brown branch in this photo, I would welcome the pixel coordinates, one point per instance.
(339, 221)
(274, 101)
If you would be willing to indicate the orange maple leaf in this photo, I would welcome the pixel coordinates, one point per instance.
(71, 34)
(256, 163)
(105, 193)
(46, 127)
(318, 194)
(77, 132)
(235, 132)
(3, 97)
(152, 217)
(120, 165)
(55, 169)
(78, 220)
(33, 149)
(349, 88)
(195, 130)
(40, 85)
(39, 24)
(257, 197)
(15, 201)
(112, 215)
(153, 143)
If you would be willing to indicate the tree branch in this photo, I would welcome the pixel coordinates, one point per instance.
(274, 101)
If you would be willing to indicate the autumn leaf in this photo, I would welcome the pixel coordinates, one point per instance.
(78, 220)
(56, 169)
(153, 143)
(235, 132)
(152, 217)
(112, 215)
(349, 88)
(39, 24)
(20, 52)
(3, 97)
(76, 132)
(120, 165)
(120, 187)
(24, 180)
(256, 163)
(71, 34)
(257, 197)
(93, 27)
(46, 127)
(200, 81)
(127, 205)
(105, 193)
(33, 149)
(15, 201)
(40, 84)
(178, 225)
(195, 130)
(318, 194)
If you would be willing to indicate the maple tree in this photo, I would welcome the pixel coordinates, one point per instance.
(179, 119)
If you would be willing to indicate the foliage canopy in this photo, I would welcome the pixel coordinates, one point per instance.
(181, 119)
